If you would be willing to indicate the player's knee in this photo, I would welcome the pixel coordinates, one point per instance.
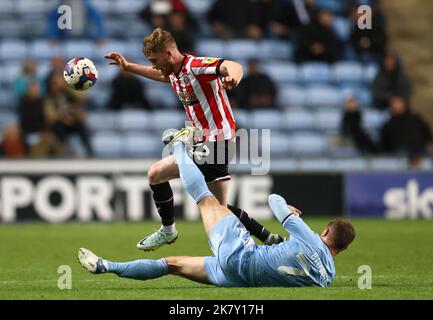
(174, 265)
(154, 173)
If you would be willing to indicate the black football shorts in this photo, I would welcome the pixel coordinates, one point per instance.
(213, 158)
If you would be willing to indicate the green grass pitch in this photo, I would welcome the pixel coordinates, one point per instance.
(400, 254)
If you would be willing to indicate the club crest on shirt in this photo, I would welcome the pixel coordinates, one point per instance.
(186, 80)
(209, 60)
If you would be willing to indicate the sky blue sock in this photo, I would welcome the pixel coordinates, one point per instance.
(190, 174)
(139, 269)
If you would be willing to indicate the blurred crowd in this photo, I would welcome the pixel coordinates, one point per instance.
(50, 113)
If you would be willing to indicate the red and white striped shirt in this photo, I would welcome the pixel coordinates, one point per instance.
(199, 89)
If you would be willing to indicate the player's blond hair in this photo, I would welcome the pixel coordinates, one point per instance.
(158, 41)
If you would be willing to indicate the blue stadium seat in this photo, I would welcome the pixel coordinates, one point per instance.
(162, 119)
(348, 72)
(362, 94)
(335, 6)
(128, 7)
(106, 73)
(315, 72)
(108, 144)
(134, 120)
(328, 119)
(342, 28)
(134, 48)
(211, 47)
(136, 30)
(104, 6)
(281, 72)
(102, 120)
(280, 145)
(198, 7)
(33, 7)
(11, 72)
(275, 50)
(7, 8)
(241, 117)
(13, 50)
(266, 119)
(308, 143)
(387, 164)
(161, 95)
(44, 66)
(9, 28)
(108, 46)
(7, 100)
(291, 96)
(100, 96)
(350, 164)
(44, 49)
(6, 118)
(242, 49)
(142, 145)
(316, 164)
(323, 96)
(370, 72)
(298, 119)
(373, 119)
(79, 48)
(115, 28)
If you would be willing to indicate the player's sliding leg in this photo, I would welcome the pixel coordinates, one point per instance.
(255, 228)
(192, 268)
(193, 181)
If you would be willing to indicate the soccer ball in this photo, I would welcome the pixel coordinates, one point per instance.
(80, 74)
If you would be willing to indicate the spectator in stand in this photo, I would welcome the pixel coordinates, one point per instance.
(235, 19)
(390, 81)
(39, 141)
(274, 18)
(406, 131)
(257, 90)
(28, 75)
(57, 67)
(157, 13)
(64, 114)
(318, 40)
(301, 13)
(87, 21)
(127, 92)
(181, 32)
(352, 128)
(11, 145)
(369, 44)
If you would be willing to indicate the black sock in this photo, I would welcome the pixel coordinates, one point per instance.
(255, 228)
(163, 196)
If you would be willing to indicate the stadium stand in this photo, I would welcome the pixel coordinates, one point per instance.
(310, 95)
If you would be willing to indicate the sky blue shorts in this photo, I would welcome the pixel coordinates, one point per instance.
(232, 246)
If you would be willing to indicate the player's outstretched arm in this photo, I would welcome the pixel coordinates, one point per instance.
(232, 73)
(289, 217)
(144, 71)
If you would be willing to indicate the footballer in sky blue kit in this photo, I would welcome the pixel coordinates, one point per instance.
(305, 259)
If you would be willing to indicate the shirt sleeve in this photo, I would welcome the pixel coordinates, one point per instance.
(206, 66)
(298, 228)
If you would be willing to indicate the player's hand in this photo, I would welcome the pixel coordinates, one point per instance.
(294, 210)
(229, 82)
(118, 59)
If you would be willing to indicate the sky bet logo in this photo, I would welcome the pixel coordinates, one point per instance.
(409, 202)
